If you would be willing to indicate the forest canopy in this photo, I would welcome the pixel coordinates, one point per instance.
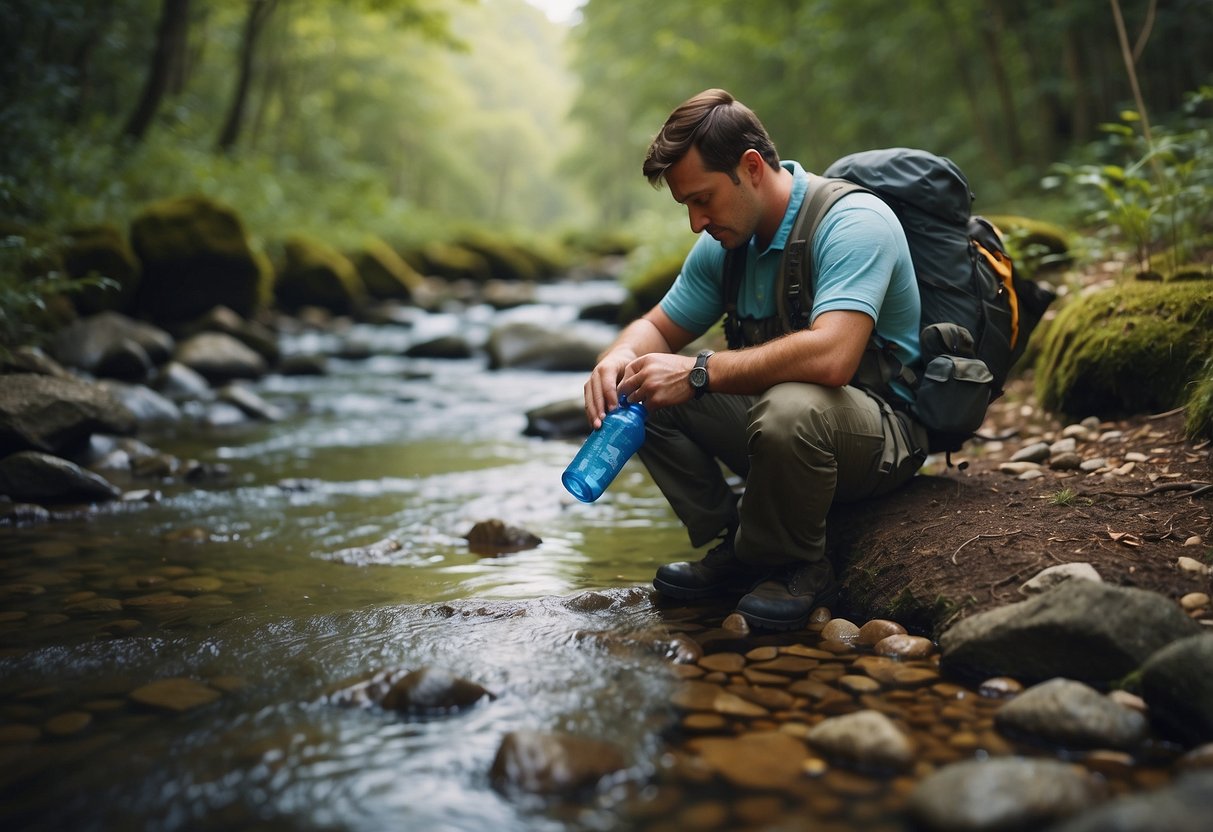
(412, 118)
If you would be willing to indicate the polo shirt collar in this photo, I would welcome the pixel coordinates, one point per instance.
(800, 184)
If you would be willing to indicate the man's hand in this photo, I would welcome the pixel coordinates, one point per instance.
(658, 380)
(602, 387)
(652, 336)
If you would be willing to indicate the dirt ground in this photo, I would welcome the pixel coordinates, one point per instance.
(959, 540)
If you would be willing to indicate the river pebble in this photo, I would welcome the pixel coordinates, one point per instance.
(430, 690)
(175, 695)
(904, 646)
(866, 739)
(551, 763)
(839, 629)
(878, 628)
(763, 760)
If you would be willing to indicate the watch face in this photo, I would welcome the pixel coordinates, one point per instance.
(699, 377)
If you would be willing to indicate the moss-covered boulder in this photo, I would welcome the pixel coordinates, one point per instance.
(648, 286)
(195, 256)
(450, 261)
(102, 251)
(1133, 348)
(385, 274)
(505, 259)
(1035, 245)
(316, 274)
(1198, 415)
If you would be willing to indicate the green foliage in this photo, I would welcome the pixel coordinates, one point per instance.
(1130, 349)
(405, 119)
(652, 270)
(30, 284)
(1198, 416)
(1157, 196)
(1063, 497)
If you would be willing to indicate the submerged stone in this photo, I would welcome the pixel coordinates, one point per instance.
(175, 695)
(552, 763)
(430, 690)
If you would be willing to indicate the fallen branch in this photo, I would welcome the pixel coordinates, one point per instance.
(1190, 489)
(982, 537)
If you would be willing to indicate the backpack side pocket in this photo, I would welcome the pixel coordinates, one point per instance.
(953, 395)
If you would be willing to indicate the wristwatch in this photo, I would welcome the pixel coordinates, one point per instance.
(699, 374)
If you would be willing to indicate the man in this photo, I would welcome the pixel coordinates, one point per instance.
(781, 414)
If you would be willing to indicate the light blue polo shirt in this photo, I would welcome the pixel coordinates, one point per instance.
(861, 263)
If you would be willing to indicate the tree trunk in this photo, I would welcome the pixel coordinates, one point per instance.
(259, 13)
(170, 39)
(993, 31)
(962, 50)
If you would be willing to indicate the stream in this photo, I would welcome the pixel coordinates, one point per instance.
(297, 598)
(336, 549)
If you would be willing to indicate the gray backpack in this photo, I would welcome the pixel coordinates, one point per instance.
(977, 314)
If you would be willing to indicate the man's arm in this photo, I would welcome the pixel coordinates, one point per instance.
(827, 353)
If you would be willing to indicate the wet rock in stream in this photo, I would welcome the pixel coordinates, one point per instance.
(496, 537)
(425, 691)
(552, 763)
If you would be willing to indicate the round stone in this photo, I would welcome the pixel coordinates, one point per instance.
(724, 662)
(736, 623)
(859, 684)
(904, 646)
(999, 687)
(175, 695)
(878, 628)
(1194, 601)
(839, 629)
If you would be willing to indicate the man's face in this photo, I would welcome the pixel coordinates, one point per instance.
(727, 210)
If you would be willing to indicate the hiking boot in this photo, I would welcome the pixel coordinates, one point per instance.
(785, 601)
(719, 572)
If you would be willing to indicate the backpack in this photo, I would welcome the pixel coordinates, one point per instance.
(977, 313)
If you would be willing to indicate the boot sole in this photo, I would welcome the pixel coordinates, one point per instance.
(739, 587)
(683, 593)
(826, 596)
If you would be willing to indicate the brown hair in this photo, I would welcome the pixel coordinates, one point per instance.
(720, 126)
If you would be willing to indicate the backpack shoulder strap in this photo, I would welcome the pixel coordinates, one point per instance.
(796, 266)
(795, 295)
(734, 273)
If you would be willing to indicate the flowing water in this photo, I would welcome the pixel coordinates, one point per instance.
(298, 597)
(337, 549)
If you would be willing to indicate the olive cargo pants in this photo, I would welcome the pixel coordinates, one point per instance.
(798, 447)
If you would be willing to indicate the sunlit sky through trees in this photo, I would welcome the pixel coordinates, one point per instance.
(559, 11)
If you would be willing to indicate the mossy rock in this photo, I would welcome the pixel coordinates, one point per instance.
(1127, 350)
(647, 287)
(102, 251)
(195, 256)
(505, 260)
(1198, 413)
(316, 274)
(450, 261)
(1035, 245)
(385, 274)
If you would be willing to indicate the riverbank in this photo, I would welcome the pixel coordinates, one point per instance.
(1128, 497)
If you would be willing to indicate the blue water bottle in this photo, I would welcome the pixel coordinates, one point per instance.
(605, 452)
